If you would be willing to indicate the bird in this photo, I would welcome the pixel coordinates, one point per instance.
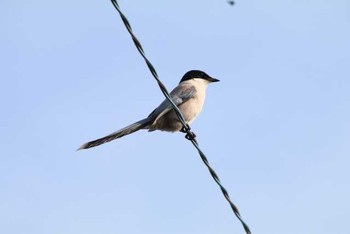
(188, 96)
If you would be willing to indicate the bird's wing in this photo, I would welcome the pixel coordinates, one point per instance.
(179, 95)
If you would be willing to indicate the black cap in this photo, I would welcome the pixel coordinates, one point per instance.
(197, 74)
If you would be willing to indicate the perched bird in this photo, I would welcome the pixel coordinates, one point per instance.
(188, 96)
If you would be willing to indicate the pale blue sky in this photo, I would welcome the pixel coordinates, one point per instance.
(276, 128)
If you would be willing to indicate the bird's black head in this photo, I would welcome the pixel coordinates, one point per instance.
(198, 74)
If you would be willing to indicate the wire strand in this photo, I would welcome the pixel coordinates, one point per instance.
(190, 135)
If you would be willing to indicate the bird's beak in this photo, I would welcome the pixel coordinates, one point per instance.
(211, 79)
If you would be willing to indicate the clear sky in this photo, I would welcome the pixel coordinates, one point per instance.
(276, 128)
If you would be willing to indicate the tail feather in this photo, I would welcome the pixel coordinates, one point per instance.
(120, 133)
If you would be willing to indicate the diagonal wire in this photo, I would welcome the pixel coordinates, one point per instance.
(190, 135)
(150, 66)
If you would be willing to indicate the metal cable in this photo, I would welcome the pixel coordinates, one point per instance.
(190, 135)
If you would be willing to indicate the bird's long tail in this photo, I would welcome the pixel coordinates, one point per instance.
(120, 133)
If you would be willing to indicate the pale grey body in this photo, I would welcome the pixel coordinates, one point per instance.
(189, 96)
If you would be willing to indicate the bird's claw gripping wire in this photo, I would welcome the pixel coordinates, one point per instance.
(185, 129)
(189, 134)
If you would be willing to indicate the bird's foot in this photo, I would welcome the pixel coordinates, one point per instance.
(185, 129)
(190, 136)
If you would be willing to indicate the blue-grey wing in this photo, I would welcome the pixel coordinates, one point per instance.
(179, 95)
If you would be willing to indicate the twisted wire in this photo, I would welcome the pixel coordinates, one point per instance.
(223, 190)
(190, 135)
(150, 66)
